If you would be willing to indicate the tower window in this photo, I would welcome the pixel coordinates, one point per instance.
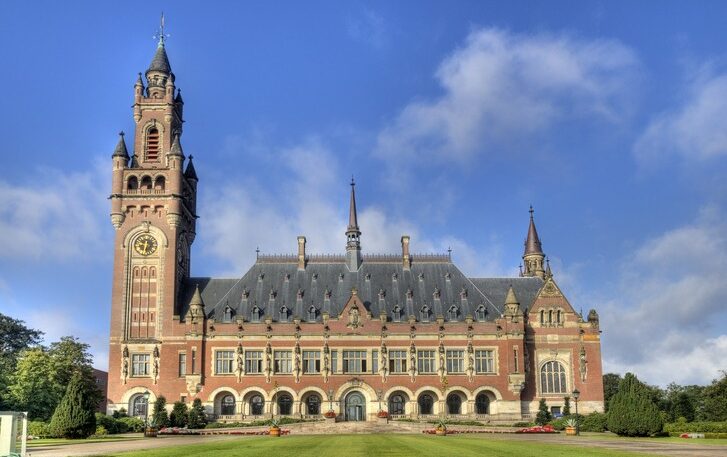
(159, 183)
(133, 183)
(152, 144)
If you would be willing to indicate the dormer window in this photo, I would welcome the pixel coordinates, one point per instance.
(452, 313)
(481, 313)
(312, 314)
(255, 315)
(284, 312)
(227, 314)
(396, 314)
(152, 144)
(424, 314)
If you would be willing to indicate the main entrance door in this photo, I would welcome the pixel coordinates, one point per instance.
(355, 407)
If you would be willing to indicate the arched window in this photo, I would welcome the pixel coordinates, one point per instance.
(133, 183)
(552, 378)
(312, 314)
(424, 314)
(481, 313)
(550, 317)
(255, 317)
(146, 183)
(227, 405)
(285, 404)
(396, 404)
(452, 313)
(559, 317)
(482, 404)
(152, 144)
(396, 314)
(284, 314)
(426, 403)
(313, 405)
(257, 405)
(139, 406)
(454, 404)
(227, 316)
(542, 317)
(159, 183)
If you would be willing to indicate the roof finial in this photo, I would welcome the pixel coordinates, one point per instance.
(160, 35)
(532, 243)
(531, 211)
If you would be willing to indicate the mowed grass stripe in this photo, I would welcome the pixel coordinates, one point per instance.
(377, 445)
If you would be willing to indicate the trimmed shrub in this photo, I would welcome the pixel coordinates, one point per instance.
(159, 417)
(120, 413)
(566, 406)
(543, 416)
(696, 427)
(559, 424)
(131, 424)
(75, 417)
(594, 422)
(178, 417)
(631, 411)
(101, 431)
(40, 429)
(196, 417)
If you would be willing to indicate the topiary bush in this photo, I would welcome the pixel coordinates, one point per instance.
(179, 416)
(696, 427)
(75, 417)
(196, 417)
(543, 416)
(40, 429)
(159, 417)
(631, 411)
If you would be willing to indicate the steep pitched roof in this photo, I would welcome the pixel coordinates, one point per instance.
(160, 62)
(532, 243)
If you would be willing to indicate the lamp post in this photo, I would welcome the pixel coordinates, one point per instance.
(576, 394)
(146, 395)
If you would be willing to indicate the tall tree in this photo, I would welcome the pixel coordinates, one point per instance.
(632, 411)
(715, 400)
(159, 417)
(69, 356)
(610, 387)
(14, 338)
(75, 416)
(33, 386)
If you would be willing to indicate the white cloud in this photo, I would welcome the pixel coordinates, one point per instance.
(501, 87)
(666, 320)
(696, 129)
(55, 215)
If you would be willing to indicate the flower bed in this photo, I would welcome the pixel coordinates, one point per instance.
(245, 432)
(433, 431)
(177, 431)
(382, 414)
(538, 429)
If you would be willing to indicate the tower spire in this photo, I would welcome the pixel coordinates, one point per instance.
(353, 234)
(533, 256)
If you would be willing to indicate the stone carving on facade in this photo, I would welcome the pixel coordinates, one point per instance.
(583, 364)
(470, 362)
(383, 362)
(268, 362)
(593, 318)
(442, 363)
(326, 371)
(412, 361)
(296, 361)
(240, 362)
(125, 364)
(354, 318)
(155, 369)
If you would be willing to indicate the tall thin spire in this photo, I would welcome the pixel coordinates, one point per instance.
(532, 243)
(353, 234)
(533, 257)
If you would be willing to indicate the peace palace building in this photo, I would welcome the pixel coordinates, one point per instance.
(303, 334)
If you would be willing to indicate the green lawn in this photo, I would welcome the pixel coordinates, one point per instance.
(63, 442)
(377, 445)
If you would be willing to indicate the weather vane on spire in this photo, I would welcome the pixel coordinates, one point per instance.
(160, 35)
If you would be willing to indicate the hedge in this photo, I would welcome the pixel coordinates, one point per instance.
(39, 428)
(696, 427)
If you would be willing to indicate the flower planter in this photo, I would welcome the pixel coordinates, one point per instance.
(570, 431)
(441, 432)
(150, 432)
(274, 431)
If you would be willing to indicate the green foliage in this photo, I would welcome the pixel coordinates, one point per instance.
(594, 422)
(15, 337)
(101, 431)
(566, 407)
(632, 411)
(133, 424)
(159, 417)
(120, 413)
(196, 418)
(39, 428)
(523, 424)
(74, 417)
(179, 415)
(543, 416)
(715, 400)
(559, 424)
(696, 427)
(611, 382)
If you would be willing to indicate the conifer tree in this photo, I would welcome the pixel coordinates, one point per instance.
(197, 416)
(631, 411)
(179, 416)
(543, 416)
(75, 415)
(566, 407)
(160, 418)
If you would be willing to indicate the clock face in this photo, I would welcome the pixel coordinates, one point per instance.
(145, 245)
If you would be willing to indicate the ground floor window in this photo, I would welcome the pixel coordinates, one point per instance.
(257, 405)
(426, 403)
(454, 404)
(227, 405)
(482, 404)
(396, 404)
(285, 404)
(139, 406)
(313, 405)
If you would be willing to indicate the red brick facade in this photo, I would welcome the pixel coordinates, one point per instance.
(463, 363)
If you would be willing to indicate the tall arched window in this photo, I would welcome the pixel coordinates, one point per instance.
(313, 405)
(139, 406)
(550, 317)
(146, 183)
(454, 404)
(152, 144)
(133, 183)
(482, 404)
(552, 378)
(542, 317)
(426, 403)
(227, 405)
(159, 183)
(396, 404)
(285, 404)
(257, 405)
(559, 317)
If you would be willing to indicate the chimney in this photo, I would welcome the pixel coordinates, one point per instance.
(301, 253)
(406, 260)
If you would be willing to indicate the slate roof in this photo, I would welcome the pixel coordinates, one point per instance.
(160, 62)
(274, 282)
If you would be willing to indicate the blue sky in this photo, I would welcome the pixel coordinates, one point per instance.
(610, 118)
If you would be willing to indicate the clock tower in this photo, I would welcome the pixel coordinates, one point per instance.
(153, 210)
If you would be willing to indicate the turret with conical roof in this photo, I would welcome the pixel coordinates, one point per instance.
(353, 234)
(533, 257)
(121, 150)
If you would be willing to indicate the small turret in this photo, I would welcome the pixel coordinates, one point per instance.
(533, 257)
(121, 150)
(512, 305)
(190, 173)
(196, 307)
(176, 149)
